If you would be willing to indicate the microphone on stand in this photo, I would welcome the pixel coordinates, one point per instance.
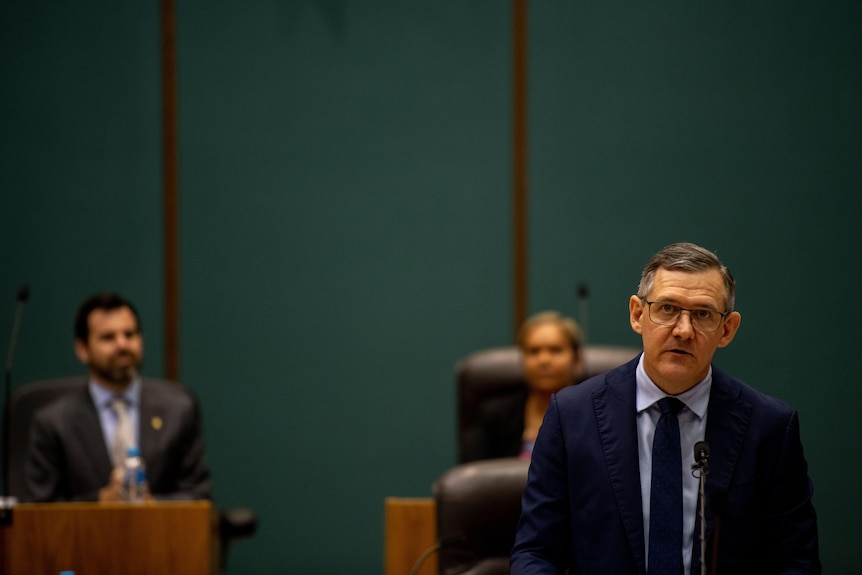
(701, 456)
(583, 309)
(6, 503)
(701, 463)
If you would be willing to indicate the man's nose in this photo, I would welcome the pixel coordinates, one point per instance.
(683, 327)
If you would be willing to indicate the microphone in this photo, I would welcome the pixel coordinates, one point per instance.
(583, 291)
(6, 503)
(701, 456)
(23, 295)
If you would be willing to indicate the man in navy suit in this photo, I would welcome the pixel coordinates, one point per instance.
(74, 449)
(587, 503)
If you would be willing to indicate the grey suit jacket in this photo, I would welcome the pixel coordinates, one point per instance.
(68, 459)
(582, 504)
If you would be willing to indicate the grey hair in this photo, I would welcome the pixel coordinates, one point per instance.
(687, 257)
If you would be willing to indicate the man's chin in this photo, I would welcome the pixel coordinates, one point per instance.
(118, 377)
(678, 376)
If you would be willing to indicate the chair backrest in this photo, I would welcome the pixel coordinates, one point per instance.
(25, 401)
(478, 506)
(479, 502)
(492, 373)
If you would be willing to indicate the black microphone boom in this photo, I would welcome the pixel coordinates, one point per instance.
(701, 463)
(6, 504)
(23, 295)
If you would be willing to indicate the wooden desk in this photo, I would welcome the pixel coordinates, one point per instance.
(411, 530)
(168, 538)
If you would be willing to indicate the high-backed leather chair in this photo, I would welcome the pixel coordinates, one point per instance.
(478, 505)
(492, 373)
(234, 523)
(479, 502)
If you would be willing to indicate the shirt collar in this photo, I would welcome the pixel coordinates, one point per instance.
(648, 393)
(102, 396)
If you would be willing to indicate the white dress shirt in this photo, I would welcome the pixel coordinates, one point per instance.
(108, 417)
(692, 428)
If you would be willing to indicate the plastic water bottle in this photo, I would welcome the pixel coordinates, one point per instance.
(134, 476)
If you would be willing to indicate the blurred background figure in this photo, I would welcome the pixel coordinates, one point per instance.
(77, 443)
(550, 345)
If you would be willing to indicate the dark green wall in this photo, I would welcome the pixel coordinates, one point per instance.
(345, 219)
(737, 126)
(80, 181)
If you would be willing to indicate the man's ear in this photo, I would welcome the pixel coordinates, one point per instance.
(82, 352)
(729, 329)
(636, 313)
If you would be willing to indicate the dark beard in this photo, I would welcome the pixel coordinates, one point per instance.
(119, 376)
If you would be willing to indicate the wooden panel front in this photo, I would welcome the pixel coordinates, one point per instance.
(106, 539)
(411, 530)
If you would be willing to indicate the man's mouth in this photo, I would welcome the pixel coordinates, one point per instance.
(679, 352)
(123, 358)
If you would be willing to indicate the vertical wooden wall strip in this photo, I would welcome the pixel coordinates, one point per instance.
(519, 159)
(170, 150)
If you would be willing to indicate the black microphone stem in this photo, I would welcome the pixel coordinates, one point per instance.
(23, 294)
(702, 481)
(701, 464)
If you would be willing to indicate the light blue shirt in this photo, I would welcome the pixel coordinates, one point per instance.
(108, 418)
(692, 428)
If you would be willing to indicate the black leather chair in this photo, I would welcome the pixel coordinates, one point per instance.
(478, 505)
(491, 373)
(479, 502)
(234, 523)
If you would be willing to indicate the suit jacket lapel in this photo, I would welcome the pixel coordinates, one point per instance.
(616, 415)
(728, 417)
(87, 430)
(148, 417)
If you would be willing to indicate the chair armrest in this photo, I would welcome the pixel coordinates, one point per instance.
(237, 522)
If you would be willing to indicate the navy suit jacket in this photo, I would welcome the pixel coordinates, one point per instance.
(582, 509)
(68, 459)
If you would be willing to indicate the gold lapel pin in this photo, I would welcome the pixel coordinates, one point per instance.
(156, 422)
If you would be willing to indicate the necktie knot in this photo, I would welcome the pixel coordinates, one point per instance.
(118, 404)
(669, 405)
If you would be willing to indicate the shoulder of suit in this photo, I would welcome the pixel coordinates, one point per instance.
(621, 375)
(745, 392)
(165, 388)
(66, 403)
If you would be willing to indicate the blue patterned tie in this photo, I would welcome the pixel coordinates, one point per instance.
(665, 511)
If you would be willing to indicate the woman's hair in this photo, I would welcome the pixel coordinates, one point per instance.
(567, 324)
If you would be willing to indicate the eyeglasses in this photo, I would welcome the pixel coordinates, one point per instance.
(665, 313)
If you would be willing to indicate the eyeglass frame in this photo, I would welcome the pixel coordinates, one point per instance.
(679, 315)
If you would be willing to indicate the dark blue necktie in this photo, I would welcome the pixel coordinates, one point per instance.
(665, 509)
